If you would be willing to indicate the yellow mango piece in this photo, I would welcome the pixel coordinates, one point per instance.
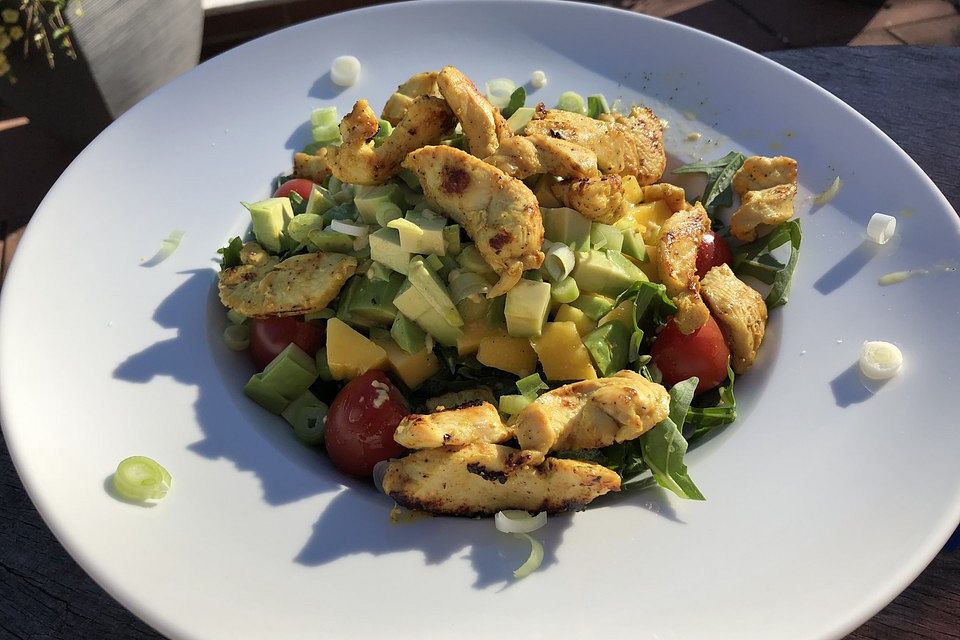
(514, 355)
(649, 266)
(562, 354)
(623, 313)
(584, 324)
(412, 368)
(473, 332)
(350, 353)
(648, 218)
(632, 192)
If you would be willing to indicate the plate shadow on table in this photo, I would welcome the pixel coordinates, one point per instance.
(197, 357)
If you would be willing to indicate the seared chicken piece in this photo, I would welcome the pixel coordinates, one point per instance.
(473, 422)
(262, 286)
(599, 199)
(419, 84)
(740, 311)
(312, 167)
(357, 161)
(767, 188)
(592, 413)
(481, 479)
(499, 213)
(482, 123)
(630, 145)
(524, 156)
(680, 238)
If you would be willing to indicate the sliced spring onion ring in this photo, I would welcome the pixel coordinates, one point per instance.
(402, 224)
(237, 337)
(880, 360)
(534, 561)
(881, 228)
(167, 247)
(830, 193)
(140, 478)
(538, 79)
(519, 521)
(345, 71)
(559, 261)
(499, 90)
(350, 228)
(572, 101)
(466, 284)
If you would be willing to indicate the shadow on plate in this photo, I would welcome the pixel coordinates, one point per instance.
(851, 387)
(196, 356)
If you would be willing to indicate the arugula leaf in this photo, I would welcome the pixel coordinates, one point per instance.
(297, 203)
(517, 99)
(754, 259)
(597, 105)
(663, 447)
(704, 419)
(231, 253)
(719, 190)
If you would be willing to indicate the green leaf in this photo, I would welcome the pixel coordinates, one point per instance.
(664, 447)
(231, 253)
(597, 105)
(723, 411)
(297, 202)
(62, 31)
(719, 190)
(755, 259)
(517, 100)
(531, 386)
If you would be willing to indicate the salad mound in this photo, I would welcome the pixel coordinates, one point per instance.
(497, 307)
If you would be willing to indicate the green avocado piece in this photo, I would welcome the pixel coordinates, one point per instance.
(526, 308)
(412, 303)
(421, 232)
(369, 303)
(407, 334)
(426, 280)
(371, 199)
(605, 236)
(270, 218)
(605, 272)
(567, 226)
(593, 305)
(385, 248)
(291, 372)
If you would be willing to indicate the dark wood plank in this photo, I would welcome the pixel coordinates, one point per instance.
(44, 594)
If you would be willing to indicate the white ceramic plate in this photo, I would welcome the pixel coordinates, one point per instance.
(824, 501)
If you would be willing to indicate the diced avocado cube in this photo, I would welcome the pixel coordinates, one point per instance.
(265, 395)
(451, 237)
(331, 241)
(385, 248)
(370, 200)
(520, 118)
(471, 260)
(425, 279)
(609, 346)
(605, 272)
(270, 218)
(410, 302)
(594, 305)
(413, 304)
(633, 245)
(320, 201)
(291, 372)
(421, 232)
(369, 303)
(566, 226)
(377, 271)
(605, 236)
(407, 334)
(526, 308)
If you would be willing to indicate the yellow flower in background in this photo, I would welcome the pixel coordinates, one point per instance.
(16, 33)
(4, 41)
(4, 65)
(10, 16)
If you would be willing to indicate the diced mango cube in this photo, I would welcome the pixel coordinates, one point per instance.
(473, 332)
(632, 192)
(567, 313)
(649, 217)
(350, 353)
(514, 355)
(413, 368)
(562, 354)
(622, 313)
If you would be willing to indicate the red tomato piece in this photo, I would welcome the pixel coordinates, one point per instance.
(300, 185)
(703, 353)
(713, 252)
(270, 336)
(361, 422)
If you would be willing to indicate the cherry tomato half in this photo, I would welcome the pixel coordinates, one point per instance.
(270, 336)
(703, 353)
(300, 185)
(361, 422)
(713, 252)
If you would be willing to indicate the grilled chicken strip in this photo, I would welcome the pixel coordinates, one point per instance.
(262, 286)
(680, 238)
(767, 188)
(481, 479)
(592, 413)
(499, 213)
(740, 311)
(524, 156)
(629, 145)
(599, 199)
(482, 123)
(673, 196)
(474, 422)
(315, 167)
(419, 84)
(357, 161)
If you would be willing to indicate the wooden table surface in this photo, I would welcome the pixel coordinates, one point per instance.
(911, 93)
